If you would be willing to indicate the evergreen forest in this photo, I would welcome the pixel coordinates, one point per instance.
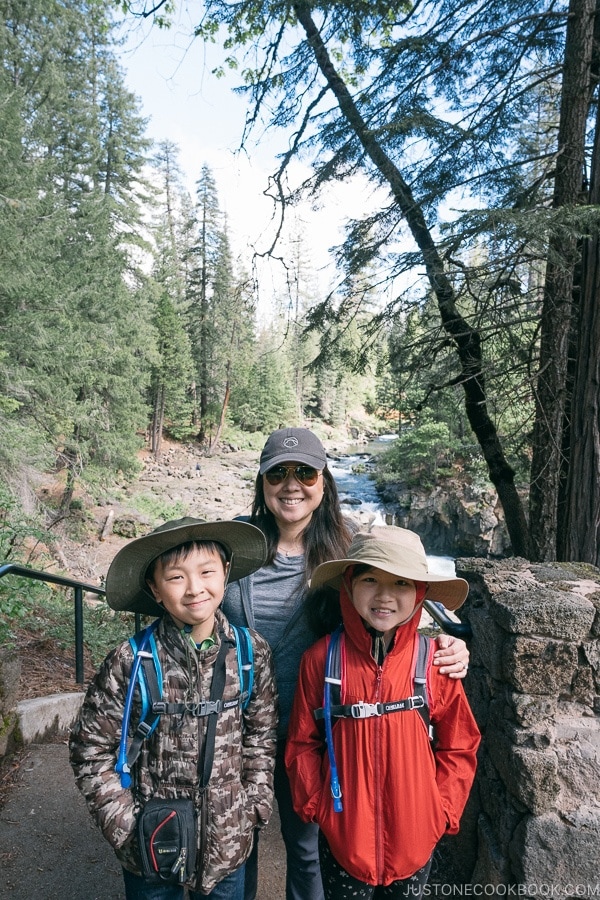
(463, 315)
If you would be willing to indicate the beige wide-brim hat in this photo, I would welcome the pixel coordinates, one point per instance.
(400, 552)
(126, 587)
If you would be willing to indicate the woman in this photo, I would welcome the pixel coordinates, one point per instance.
(296, 506)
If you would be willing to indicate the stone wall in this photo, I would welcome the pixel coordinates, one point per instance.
(10, 672)
(534, 817)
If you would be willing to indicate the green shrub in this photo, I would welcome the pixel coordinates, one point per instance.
(156, 509)
(418, 453)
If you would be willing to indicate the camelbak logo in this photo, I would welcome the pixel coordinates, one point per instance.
(290, 442)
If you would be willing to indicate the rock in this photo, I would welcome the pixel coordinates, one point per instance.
(537, 841)
(540, 610)
(530, 775)
(453, 520)
(108, 526)
(536, 666)
(126, 526)
(10, 672)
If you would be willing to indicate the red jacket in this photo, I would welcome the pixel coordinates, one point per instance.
(398, 796)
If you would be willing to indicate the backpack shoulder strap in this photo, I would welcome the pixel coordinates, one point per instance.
(334, 668)
(149, 678)
(150, 684)
(140, 643)
(245, 660)
(422, 664)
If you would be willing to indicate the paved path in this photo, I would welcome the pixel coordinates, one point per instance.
(50, 848)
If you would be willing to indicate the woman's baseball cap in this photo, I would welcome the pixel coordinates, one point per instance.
(126, 587)
(400, 552)
(292, 445)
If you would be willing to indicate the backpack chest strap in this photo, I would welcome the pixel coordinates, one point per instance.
(362, 710)
(199, 710)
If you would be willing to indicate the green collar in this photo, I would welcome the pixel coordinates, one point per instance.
(207, 643)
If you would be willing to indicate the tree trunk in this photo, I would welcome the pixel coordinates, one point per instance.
(70, 461)
(158, 416)
(215, 440)
(217, 436)
(548, 462)
(582, 512)
(203, 371)
(466, 340)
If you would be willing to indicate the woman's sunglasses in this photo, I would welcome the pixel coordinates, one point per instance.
(306, 475)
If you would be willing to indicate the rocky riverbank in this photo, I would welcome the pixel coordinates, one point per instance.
(453, 519)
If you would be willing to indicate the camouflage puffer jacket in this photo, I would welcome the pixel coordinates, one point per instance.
(240, 793)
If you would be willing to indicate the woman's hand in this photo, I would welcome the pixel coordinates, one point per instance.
(451, 656)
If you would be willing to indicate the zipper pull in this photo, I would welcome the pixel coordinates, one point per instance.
(378, 681)
(179, 865)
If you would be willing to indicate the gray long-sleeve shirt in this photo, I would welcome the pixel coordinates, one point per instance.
(271, 601)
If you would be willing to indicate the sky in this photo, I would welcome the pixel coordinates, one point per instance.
(170, 73)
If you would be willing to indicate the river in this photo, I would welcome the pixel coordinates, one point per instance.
(359, 496)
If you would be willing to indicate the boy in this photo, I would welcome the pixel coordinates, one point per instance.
(179, 571)
(399, 793)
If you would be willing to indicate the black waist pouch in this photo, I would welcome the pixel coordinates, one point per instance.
(167, 839)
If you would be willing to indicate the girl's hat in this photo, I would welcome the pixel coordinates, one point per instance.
(400, 552)
(126, 587)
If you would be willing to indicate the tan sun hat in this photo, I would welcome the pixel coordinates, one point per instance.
(400, 552)
(126, 587)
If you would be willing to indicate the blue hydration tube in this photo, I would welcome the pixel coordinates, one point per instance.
(121, 766)
(336, 791)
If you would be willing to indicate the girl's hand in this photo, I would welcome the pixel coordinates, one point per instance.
(451, 656)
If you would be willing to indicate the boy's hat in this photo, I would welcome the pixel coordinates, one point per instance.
(296, 444)
(400, 552)
(126, 588)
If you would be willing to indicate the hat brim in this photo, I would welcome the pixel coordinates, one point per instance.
(126, 588)
(306, 459)
(451, 592)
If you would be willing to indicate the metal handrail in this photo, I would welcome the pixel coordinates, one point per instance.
(456, 629)
(78, 586)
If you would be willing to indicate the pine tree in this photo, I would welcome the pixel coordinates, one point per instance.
(203, 261)
(75, 333)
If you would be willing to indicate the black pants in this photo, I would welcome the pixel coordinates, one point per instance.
(339, 885)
